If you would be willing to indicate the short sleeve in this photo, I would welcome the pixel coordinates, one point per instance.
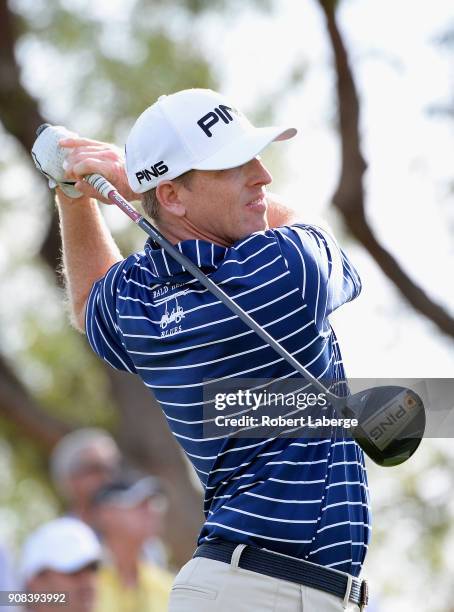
(325, 275)
(101, 325)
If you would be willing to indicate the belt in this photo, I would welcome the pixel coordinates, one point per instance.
(294, 570)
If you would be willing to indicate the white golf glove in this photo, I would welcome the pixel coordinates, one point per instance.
(49, 158)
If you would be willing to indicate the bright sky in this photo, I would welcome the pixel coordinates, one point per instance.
(400, 73)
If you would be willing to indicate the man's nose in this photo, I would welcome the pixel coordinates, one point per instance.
(259, 175)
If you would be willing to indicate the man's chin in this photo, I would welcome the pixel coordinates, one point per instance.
(251, 229)
(260, 226)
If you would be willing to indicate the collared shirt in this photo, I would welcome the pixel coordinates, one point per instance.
(307, 498)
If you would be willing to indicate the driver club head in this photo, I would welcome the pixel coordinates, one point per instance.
(391, 422)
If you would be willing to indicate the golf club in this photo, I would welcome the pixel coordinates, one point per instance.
(391, 419)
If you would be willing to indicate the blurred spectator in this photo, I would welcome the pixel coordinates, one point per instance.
(7, 582)
(62, 556)
(7, 577)
(127, 514)
(80, 464)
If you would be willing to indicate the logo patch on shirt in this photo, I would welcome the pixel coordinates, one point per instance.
(174, 316)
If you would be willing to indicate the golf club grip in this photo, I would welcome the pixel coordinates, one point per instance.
(106, 189)
(101, 184)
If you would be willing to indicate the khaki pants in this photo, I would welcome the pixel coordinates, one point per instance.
(204, 585)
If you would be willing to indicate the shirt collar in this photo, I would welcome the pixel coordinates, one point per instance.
(206, 255)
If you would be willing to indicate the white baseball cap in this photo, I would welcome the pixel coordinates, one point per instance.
(64, 545)
(193, 129)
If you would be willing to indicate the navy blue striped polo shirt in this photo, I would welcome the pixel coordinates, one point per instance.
(307, 498)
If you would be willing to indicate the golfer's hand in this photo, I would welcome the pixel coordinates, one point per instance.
(88, 156)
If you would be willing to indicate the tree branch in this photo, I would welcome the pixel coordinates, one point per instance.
(21, 117)
(349, 195)
(19, 407)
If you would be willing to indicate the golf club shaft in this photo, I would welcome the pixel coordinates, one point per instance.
(106, 189)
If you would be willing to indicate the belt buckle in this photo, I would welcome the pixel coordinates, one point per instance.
(363, 595)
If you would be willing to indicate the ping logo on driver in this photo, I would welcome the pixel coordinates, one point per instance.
(385, 425)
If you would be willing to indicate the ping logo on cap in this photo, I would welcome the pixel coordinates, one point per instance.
(220, 112)
(192, 129)
(154, 171)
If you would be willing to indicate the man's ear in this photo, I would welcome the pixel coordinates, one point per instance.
(168, 194)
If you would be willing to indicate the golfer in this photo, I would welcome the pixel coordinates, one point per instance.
(287, 520)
